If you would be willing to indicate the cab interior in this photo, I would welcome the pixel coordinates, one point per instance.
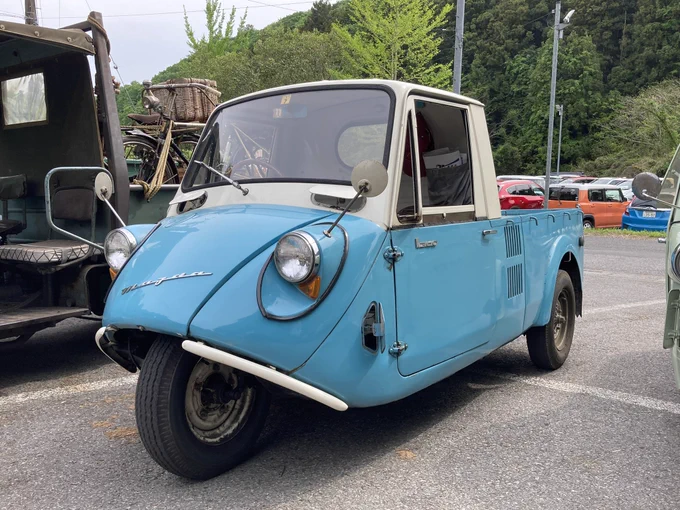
(48, 119)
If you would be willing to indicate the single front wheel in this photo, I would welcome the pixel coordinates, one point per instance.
(549, 345)
(197, 418)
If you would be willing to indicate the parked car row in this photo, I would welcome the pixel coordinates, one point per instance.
(606, 202)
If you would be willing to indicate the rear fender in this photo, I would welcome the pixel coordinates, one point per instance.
(564, 255)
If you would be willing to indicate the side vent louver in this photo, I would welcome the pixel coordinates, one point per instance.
(513, 241)
(515, 280)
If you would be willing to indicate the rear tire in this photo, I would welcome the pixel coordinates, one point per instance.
(549, 345)
(197, 419)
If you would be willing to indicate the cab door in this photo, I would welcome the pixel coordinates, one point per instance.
(446, 279)
(616, 206)
(598, 208)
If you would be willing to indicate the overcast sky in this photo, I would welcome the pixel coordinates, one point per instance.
(143, 44)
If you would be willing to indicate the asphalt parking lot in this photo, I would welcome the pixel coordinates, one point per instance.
(602, 432)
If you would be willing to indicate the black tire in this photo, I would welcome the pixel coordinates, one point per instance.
(588, 223)
(162, 413)
(549, 345)
(140, 147)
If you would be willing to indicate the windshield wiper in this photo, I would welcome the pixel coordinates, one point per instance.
(234, 183)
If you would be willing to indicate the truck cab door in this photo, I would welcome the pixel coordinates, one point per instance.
(445, 280)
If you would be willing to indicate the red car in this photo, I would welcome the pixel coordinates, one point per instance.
(520, 195)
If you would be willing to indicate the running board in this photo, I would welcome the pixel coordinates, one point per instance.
(36, 318)
(266, 373)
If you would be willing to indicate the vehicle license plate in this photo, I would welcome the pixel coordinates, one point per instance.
(649, 214)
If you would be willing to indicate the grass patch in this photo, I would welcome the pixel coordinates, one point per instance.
(617, 232)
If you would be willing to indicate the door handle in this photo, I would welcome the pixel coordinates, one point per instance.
(489, 232)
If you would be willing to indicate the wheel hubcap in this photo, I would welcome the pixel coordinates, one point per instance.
(217, 402)
(560, 320)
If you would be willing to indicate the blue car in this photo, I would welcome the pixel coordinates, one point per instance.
(643, 214)
(339, 241)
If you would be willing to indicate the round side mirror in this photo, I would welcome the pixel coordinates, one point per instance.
(103, 186)
(369, 178)
(646, 185)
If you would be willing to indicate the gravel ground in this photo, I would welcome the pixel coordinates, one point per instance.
(598, 433)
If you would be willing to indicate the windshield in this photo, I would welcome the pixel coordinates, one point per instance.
(669, 186)
(313, 136)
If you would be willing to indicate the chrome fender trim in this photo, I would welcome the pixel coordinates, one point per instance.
(266, 373)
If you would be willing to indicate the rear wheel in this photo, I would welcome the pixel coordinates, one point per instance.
(197, 418)
(549, 345)
(142, 157)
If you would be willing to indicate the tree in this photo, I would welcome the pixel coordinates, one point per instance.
(394, 39)
(220, 38)
(284, 57)
(652, 53)
(320, 17)
(642, 134)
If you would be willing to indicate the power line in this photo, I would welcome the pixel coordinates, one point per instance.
(12, 15)
(272, 5)
(140, 14)
(537, 19)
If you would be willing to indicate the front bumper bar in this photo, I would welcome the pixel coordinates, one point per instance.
(266, 373)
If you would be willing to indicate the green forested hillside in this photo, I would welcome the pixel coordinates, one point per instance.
(618, 79)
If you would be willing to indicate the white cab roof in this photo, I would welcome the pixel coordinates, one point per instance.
(400, 88)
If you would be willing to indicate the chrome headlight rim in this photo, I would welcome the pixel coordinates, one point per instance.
(132, 244)
(675, 260)
(316, 256)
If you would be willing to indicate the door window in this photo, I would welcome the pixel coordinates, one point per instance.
(522, 189)
(564, 194)
(614, 195)
(535, 190)
(436, 175)
(596, 195)
(444, 155)
(406, 201)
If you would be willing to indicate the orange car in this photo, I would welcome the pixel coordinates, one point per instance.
(602, 205)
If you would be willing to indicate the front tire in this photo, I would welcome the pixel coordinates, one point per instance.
(196, 418)
(588, 224)
(549, 345)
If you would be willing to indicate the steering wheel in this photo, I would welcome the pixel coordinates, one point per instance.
(254, 169)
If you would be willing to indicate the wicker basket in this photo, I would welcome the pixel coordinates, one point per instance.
(188, 104)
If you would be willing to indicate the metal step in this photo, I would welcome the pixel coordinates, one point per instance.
(34, 317)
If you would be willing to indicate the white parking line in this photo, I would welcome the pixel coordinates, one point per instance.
(618, 396)
(131, 380)
(20, 398)
(624, 306)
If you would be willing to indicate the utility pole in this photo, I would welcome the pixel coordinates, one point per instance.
(458, 45)
(560, 112)
(551, 114)
(30, 14)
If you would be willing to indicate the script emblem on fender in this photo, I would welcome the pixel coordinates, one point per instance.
(163, 279)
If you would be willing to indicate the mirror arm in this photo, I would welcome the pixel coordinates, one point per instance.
(106, 201)
(646, 195)
(363, 188)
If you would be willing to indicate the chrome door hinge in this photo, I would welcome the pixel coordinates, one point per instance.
(398, 348)
(393, 254)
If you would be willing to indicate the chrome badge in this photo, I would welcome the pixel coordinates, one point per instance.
(163, 279)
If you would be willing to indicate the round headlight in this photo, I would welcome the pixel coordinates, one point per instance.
(297, 257)
(118, 247)
(675, 264)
